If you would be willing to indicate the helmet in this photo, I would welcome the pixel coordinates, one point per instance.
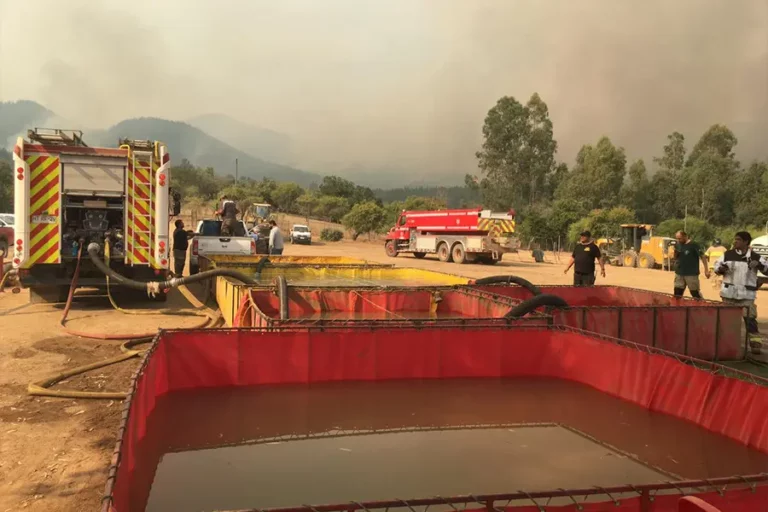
(717, 241)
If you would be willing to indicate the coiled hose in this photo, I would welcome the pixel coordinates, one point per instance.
(527, 306)
(282, 293)
(535, 290)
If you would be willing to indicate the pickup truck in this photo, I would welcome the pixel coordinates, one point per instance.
(207, 241)
(6, 234)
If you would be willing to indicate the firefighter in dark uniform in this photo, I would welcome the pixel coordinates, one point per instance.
(583, 260)
(228, 214)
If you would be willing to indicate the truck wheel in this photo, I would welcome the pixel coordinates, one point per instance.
(419, 255)
(444, 253)
(458, 253)
(488, 260)
(391, 248)
(628, 259)
(646, 260)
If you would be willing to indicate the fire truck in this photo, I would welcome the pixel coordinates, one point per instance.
(68, 195)
(461, 236)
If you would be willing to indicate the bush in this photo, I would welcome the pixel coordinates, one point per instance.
(331, 235)
(698, 230)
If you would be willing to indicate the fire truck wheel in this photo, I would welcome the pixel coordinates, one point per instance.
(391, 249)
(419, 255)
(444, 253)
(458, 253)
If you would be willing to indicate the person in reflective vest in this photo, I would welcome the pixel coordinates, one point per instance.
(714, 253)
(739, 267)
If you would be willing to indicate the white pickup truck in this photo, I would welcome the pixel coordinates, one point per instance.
(208, 241)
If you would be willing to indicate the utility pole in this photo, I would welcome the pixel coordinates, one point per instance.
(236, 170)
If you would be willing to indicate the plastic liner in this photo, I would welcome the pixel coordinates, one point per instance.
(229, 294)
(698, 328)
(735, 406)
(344, 306)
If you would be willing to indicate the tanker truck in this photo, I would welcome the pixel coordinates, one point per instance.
(460, 236)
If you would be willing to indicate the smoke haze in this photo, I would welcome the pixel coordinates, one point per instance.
(401, 83)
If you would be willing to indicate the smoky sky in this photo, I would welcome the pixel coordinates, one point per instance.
(399, 83)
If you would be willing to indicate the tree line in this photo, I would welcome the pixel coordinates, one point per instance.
(705, 189)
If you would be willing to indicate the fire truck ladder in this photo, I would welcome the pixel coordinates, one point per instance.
(140, 215)
(56, 137)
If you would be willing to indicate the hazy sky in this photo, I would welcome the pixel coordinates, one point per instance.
(405, 83)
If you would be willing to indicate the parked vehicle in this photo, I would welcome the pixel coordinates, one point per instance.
(300, 234)
(461, 236)
(6, 233)
(68, 195)
(760, 246)
(208, 241)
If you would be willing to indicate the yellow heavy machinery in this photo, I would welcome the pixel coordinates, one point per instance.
(257, 213)
(638, 247)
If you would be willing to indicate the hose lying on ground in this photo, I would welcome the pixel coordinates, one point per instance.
(531, 304)
(282, 293)
(41, 388)
(535, 290)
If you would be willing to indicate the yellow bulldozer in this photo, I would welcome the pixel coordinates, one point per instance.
(638, 247)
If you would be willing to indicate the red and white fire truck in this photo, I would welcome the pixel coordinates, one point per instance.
(454, 235)
(68, 195)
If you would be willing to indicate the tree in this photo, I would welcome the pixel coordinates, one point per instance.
(751, 195)
(718, 139)
(307, 204)
(598, 176)
(636, 192)
(603, 222)
(332, 208)
(336, 186)
(518, 153)
(6, 186)
(364, 218)
(423, 203)
(285, 196)
(698, 229)
(674, 153)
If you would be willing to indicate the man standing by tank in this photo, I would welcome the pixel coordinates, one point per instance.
(275, 239)
(583, 261)
(228, 213)
(688, 254)
(739, 267)
(180, 245)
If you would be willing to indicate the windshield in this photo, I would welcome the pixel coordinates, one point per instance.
(7, 218)
(301, 229)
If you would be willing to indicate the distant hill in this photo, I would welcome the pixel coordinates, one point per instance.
(16, 117)
(258, 142)
(185, 141)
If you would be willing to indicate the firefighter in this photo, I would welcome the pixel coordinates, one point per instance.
(228, 213)
(739, 267)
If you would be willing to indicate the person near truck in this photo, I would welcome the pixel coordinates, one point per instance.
(739, 267)
(688, 254)
(583, 261)
(228, 213)
(275, 239)
(180, 245)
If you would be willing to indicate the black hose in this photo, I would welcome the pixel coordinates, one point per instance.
(529, 305)
(282, 293)
(154, 287)
(535, 290)
(263, 262)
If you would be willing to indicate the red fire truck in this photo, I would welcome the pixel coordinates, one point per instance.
(461, 236)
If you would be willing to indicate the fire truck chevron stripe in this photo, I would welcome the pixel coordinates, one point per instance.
(44, 199)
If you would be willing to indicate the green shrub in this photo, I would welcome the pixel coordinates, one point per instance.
(331, 235)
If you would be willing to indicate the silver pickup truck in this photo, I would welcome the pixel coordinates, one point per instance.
(208, 241)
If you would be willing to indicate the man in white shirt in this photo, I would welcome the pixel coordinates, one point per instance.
(275, 239)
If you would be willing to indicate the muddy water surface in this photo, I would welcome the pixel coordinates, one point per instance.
(289, 445)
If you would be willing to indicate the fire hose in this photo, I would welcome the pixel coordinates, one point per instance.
(528, 305)
(42, 387)
(509, 280)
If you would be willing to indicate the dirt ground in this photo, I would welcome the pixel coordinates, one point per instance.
(54, 452)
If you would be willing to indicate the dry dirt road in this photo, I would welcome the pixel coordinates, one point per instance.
(54, 452)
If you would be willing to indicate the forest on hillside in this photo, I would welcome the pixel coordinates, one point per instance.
(700, 186)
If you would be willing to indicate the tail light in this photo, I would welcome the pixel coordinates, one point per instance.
(253, 246)
(194, 247)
